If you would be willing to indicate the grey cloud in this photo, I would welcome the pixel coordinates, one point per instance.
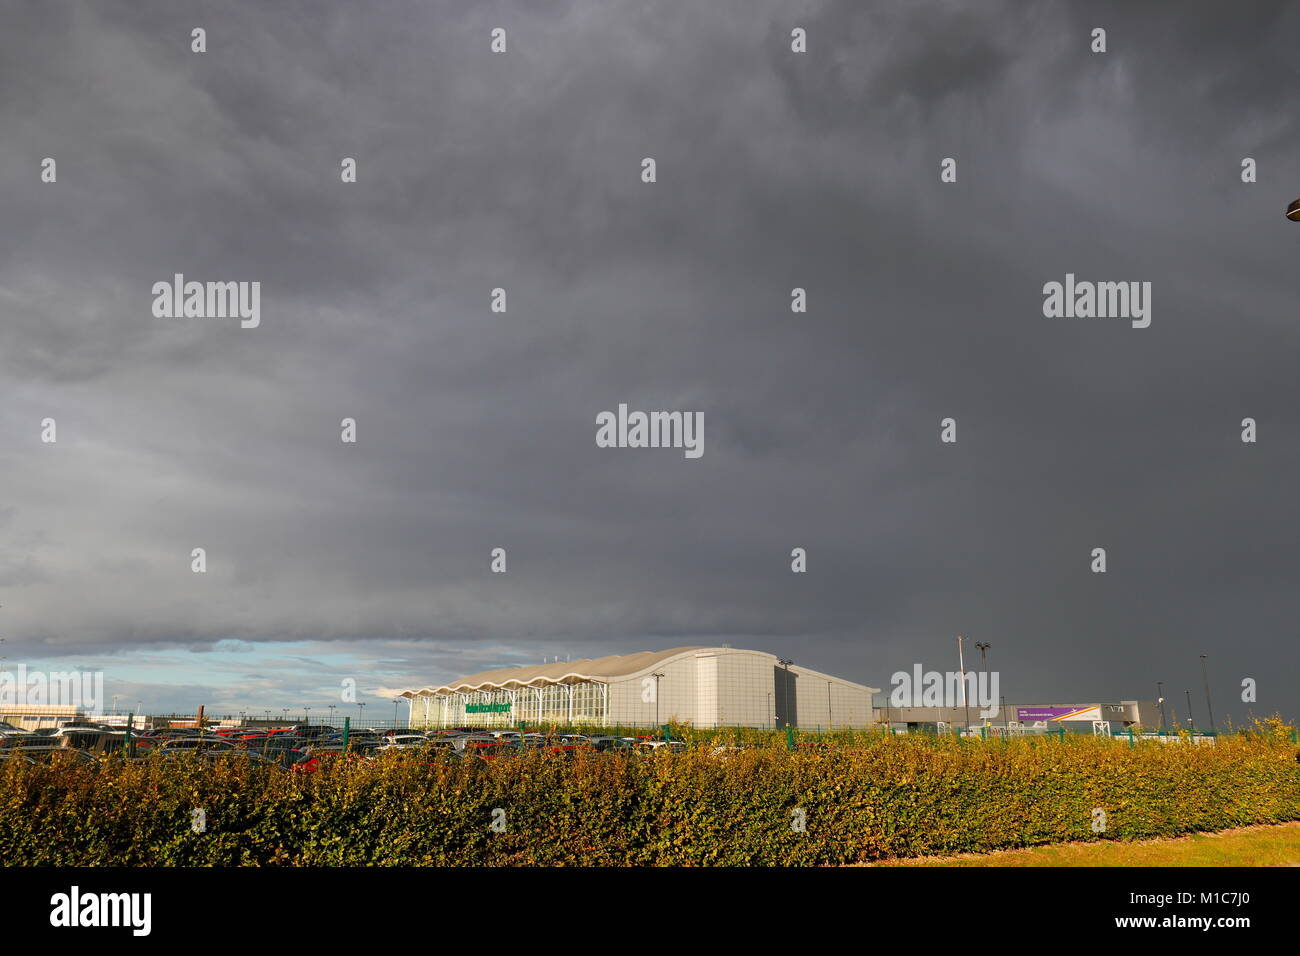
(476, 429)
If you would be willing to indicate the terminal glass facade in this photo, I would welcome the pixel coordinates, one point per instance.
(584, 702)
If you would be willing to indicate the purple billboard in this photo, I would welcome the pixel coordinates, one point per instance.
(1025, 714)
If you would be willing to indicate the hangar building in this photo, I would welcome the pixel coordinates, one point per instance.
(703, 686)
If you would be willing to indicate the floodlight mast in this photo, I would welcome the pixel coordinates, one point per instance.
(984, 666)
(961, 662)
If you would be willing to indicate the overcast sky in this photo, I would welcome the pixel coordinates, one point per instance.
(477, 429)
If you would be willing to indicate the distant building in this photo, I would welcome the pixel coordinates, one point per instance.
(703, 686)
(1073, 717)
(36, 716)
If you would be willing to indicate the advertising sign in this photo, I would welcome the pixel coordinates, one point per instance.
(1031, 714)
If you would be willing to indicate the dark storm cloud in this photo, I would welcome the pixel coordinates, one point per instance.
(821, 430)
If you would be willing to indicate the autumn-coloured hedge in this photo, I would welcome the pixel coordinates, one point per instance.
(887, 796)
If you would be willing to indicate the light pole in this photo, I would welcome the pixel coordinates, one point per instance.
(1160, 699)
(656, 677)
(360, 711)
(961, 662)
(984, 666)
(1208, 706)
(1190, 721)
(331, 710)
(771, 710)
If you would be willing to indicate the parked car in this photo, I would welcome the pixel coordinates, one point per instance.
(313, 731)
(222, 753)
(51, 752)
(78, 727)
(659, 746)
(431, 754)
(488, 748)
(88, 737)
(180, 745)
(441, 745)
(313, 756)
(562, 744)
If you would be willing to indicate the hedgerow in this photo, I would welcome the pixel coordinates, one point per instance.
(882, 797)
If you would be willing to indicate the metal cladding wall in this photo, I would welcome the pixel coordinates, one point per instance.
(677, 693)
(728, 687)
(830, 703)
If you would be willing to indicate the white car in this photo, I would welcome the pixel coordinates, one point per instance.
(9, 730)
(403, 742)
(653, 746)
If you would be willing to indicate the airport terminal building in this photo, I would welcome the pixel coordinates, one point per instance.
(705, 687)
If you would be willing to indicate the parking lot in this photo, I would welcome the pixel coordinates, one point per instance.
(303, 748)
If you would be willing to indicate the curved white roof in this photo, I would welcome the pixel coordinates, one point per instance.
(602, 669)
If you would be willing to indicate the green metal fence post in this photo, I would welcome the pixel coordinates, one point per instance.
(347, 729)
(789, 737)
(127, 743)
(665, 733)
(1130, 737)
